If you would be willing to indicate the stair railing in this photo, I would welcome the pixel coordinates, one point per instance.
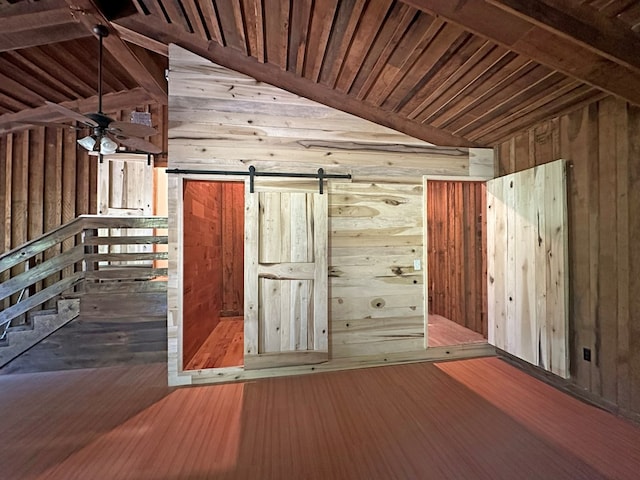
(90, 252)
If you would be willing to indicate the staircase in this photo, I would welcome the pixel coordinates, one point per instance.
(104, 256)
(43, 323)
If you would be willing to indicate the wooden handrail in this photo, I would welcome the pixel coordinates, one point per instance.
(83, 230)
(40, 244)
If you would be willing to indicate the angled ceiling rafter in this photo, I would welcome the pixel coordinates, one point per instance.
(24, 25)
(510, 24)
(111, 102)
(138, 63)
(269, 73)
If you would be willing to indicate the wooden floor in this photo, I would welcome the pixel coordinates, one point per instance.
(223, 348)
(473, 419)
(444, 332)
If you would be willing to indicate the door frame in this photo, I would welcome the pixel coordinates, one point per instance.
(175, 337)
(425, 185)
(177, 376)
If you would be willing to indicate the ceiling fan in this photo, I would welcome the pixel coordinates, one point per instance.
(107, 134)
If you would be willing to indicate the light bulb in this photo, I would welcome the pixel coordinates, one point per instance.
(107, 146)
(87, 143)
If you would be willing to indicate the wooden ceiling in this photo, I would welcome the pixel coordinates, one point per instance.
(457, 73)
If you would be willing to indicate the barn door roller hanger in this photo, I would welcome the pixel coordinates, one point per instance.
(252, 173)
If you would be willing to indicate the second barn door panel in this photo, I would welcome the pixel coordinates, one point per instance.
(285, 277)
(527, 269)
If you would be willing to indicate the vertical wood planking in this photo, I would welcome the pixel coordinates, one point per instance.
(232, 248)
(321, 283)
(543, 251)
(6, 167)
(623, 147)
(482, 193)
(52, 191)
(69, 173)
(202, 263)
(20, 195)
(593, 161)
(251, 285)
(557, 261)
(601, 143)
(288, 227)
(35, 201)
(575, 131)
(607, 258)
(633, 286)
(456, 253)
(534, 214)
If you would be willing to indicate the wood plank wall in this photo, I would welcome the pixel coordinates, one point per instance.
(213, 258)
(223, 120)
(46, 180)
(602, 144)
(456, 252)
(376, 294)
(232, 206)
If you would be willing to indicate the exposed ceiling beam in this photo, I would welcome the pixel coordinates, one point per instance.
(581, 24)
(272, 74)
(525, 35)
(111, 102)
(142, 67)
(145, 42)
(43, 22)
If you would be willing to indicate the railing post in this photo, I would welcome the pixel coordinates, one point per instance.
(89, 266)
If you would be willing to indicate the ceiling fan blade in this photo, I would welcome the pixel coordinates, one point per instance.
(72, 114)
(49, 124)
(128, 129)
(138, 144)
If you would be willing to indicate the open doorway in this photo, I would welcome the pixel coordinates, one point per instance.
(457, 262)
(213, 275)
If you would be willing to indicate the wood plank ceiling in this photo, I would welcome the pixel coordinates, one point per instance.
(450, 72)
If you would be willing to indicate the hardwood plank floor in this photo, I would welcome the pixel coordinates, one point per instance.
(444, 332)
(473, 419)
(223, 348)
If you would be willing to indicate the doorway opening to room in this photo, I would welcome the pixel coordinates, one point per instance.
(213, 275)
(456, 262)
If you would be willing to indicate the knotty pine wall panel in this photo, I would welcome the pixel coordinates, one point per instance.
(602, 145)
(457, 256)
(376, 294)
(222, 118)
(225, 121)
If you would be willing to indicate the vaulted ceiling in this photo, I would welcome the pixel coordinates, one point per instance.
(458, 73)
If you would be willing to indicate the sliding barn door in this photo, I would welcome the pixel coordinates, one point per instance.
(285, 278)
(527, 266)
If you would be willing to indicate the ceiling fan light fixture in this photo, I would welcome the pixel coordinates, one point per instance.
(107, 146)
(88, 143)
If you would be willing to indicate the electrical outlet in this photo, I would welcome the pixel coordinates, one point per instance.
(586, 354)
(416, 264)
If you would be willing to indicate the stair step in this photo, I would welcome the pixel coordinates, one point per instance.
(48, 311)
(43, 325)
(21, 328)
